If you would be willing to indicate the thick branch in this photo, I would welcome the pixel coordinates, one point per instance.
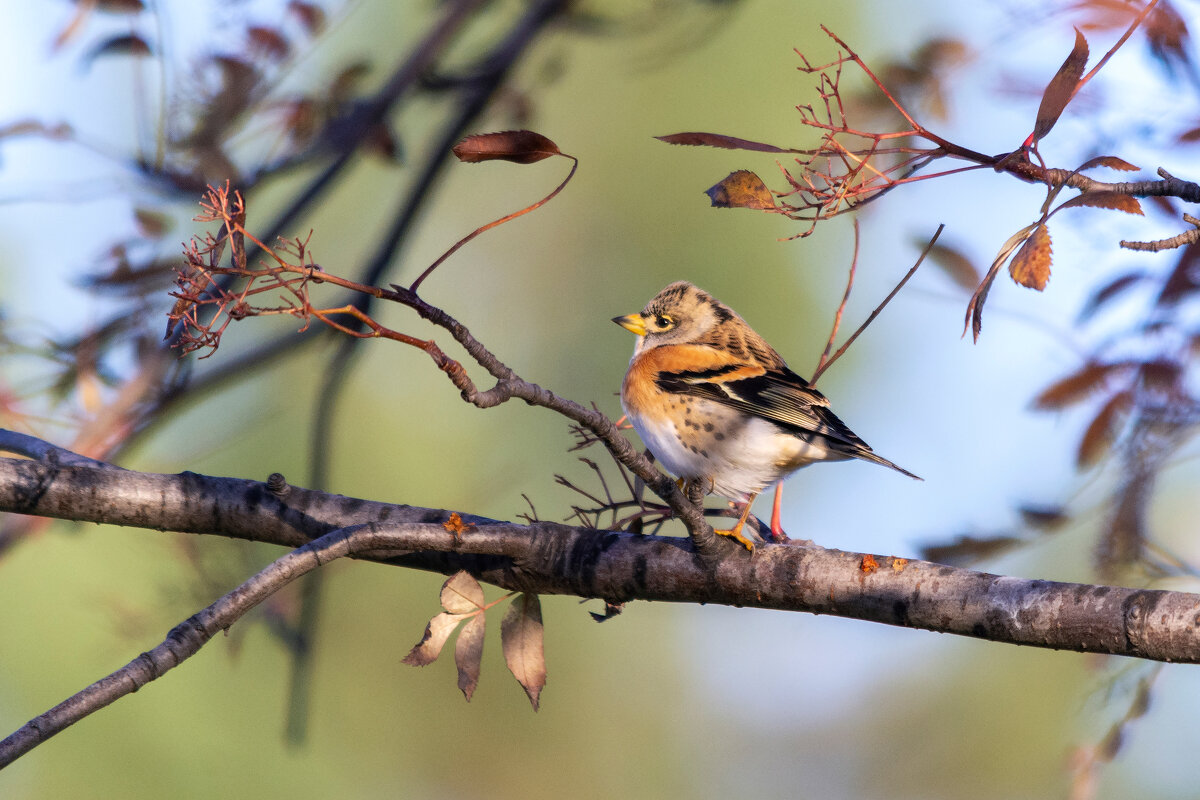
(618, 567)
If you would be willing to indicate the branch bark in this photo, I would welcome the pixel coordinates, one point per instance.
(547, 558)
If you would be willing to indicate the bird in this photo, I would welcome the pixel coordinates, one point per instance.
(719, 408)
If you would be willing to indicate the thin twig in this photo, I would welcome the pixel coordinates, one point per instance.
(837, 318)
(886, 300)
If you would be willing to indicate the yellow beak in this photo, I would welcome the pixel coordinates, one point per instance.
(632, 322)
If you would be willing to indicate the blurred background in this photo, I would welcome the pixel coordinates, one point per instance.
(661, 700)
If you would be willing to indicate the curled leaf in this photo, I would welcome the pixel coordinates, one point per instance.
(1031, 265)
(462, 594)
(521, 640)
(1113, 200)
(741, 189)
(519, 147)
(438, 630)
(1061, 87)
(719, 140)
(468, 654)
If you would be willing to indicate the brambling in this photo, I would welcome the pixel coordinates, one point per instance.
(718, 406)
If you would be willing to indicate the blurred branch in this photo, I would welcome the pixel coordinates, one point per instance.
(546, 558)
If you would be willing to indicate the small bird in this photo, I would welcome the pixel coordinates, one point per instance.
(718, 406)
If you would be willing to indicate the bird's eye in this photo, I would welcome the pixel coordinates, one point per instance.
(663, 321)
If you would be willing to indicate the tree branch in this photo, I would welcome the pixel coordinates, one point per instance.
(547, 558)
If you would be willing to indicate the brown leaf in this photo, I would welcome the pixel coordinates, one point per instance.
(954, 263)
(1162, 375)
(1109, 291)
(967, 549)
(975, 306)
(1061, 87)
(269, 41)
(1102, 430)
(1189, 136)
(1112, 162)
(468, 654)
(462, 594)
(519, 147)
(719, 140)
(438, 630)
(741, 189)
(127, 45)
(524, 650)
(1113, 200)
(1031, 265)
(1047, 518)
(152, 224)
(311, 16)
(1183, 280)
(1079, 385)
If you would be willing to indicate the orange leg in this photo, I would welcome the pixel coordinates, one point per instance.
(735, 532)
(776, 526)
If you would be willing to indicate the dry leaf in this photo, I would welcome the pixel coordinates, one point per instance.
(741, 189)
(719, 140)
(1162, 375)
(1061, 87)
(1113, 200)
(519, 147)
(462, 594)
(152, 224)
(1031, 265)
(1102, 431)
(524, 650)
(438, 630)
(468, 654)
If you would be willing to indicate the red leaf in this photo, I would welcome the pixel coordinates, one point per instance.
(1031, 265)
(719, 140)
(521, 640)
(741, 189)
(1061, 87)
(1114, 200)
(468, 654)
(1112, 162)
(519, 147)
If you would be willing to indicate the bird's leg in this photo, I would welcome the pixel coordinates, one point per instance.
(777, 533)
(735, 532)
